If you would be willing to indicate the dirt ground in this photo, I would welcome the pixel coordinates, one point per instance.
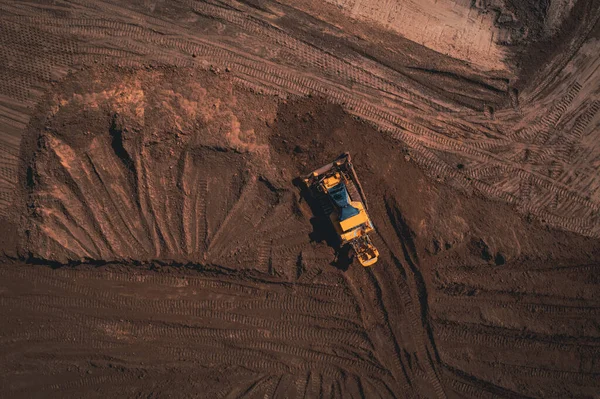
(155, 242)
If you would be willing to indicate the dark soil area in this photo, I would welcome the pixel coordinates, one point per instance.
(541, 47)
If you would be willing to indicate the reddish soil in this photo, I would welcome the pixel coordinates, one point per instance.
(155, 242)
(234, 293)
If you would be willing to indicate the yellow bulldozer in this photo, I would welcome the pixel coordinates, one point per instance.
(338, 190)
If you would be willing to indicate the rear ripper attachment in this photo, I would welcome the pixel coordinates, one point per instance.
(338, 189)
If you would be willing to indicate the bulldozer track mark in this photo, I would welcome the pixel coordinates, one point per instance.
(8, 174)
(319, 357)
(564, 191)
(287, 252)
(240, 203)
(300, 384)
(69, 280)
(270, 385)
(576, 225)
(89, 381)
(239, 288)
(468, 385)
(250, 358)
(15, 88)
(324, 292)
(316, 57)
(310, 275)
(462, 334)
(9, 148)
(438, 168)
(5, 200)
(14, 118)
(313, 385)
(589, 379)
(204, 336)
(549, 119)
(108, 53)
(540, 181)
(572, 141)
(376, 307)
(370, 90)
(577, 269)
(195, 229)
(534, 309)
(205, 309)
(257, 388)
(579, 311)
(41, 335)
(419, 336)
(264, 256)
(111, 203)
(527, 376)
(260, 88)
(325, 321)
(310, 306)
(471, 391)
(269, 329)
(226, 356)
(584, 120)
(538, 131)
(97, 298)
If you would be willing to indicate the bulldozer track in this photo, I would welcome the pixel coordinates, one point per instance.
(353, 192)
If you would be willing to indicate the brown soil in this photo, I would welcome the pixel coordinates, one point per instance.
(542, 46)
(155, 242)
(214, 280)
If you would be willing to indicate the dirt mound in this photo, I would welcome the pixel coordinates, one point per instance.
(123, 170)
(310, 133)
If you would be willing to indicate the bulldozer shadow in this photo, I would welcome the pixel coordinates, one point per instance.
(323, 230)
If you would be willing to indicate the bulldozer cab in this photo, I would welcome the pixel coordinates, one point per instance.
(340, 197)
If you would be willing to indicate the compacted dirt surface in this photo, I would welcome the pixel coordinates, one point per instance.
(155, 240)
